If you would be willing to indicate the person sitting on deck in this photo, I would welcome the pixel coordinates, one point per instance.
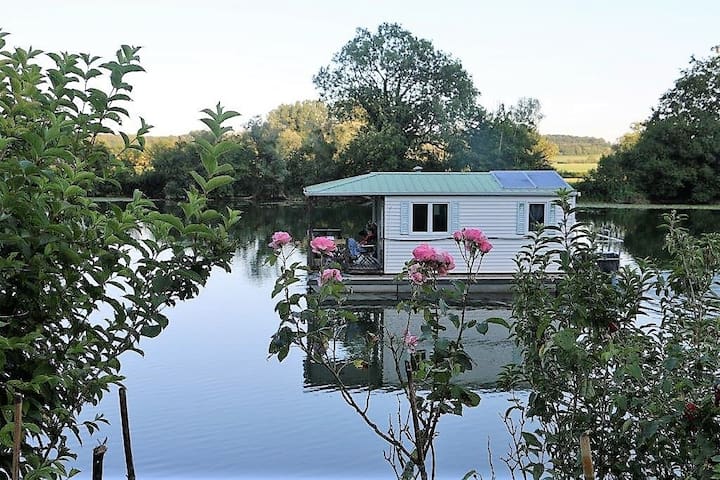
(355, 247)
(371, 233)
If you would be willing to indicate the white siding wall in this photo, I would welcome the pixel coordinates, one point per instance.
(494, 215)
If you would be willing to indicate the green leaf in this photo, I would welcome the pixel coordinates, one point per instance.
(150, 331)
(171, 219)
(482, 327)
(531, 440)
(218, 182)
(498, 321)
(634, 370)
(537, 471)
(200, 180)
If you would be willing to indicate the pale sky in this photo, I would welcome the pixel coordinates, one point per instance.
(596, 66)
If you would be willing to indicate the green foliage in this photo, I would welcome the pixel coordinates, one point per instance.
(79, 285)
(137, 161)
(304, 140)
(398, 85)
(674, 159)
(573, 145)
(504, 140)
(645, 391)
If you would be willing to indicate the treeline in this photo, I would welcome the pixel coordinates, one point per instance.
(302, 144)
(572, 145)
(389, 101)
(674, 156)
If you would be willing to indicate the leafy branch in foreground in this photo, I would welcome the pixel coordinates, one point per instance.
(630, 359)
(80, 284)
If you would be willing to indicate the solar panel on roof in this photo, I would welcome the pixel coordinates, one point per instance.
(547, 179)
(516, 179)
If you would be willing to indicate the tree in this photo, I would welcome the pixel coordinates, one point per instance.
(402, 89)
(306, 139)
(80, 284)
(676, 158)
(527, 112)
(502, 140)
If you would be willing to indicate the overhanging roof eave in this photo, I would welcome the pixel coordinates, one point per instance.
(514, 193)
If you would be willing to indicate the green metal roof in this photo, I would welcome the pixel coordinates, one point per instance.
(540, 182)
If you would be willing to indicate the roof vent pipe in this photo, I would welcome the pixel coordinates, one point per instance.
(417, 168)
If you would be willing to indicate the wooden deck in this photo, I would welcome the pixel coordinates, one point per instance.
(384, 287)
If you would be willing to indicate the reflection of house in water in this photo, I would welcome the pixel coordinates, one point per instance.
(365, 363)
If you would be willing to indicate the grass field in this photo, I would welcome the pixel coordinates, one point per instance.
(572, 167)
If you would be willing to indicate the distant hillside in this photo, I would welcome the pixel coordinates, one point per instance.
(572, 145)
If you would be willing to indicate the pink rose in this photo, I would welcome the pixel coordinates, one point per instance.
(323, 245)
(474, 240)
(410, 341)
(417, 278)
(424, 253)
(416, 275)
(447, 264)
(485, 246)
(473, 234)
(279, 239)
(330, 274)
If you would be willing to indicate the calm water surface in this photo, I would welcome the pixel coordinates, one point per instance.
(206, 402)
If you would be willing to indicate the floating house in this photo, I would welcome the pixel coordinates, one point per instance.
(411, 208)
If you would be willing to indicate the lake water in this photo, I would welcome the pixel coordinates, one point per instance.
(205, 402)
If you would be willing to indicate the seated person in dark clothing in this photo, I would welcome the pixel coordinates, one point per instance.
(371, 233)
(355, 247)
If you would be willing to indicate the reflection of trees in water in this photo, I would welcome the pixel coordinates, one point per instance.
(354, 352)
(259, 222)
(643, 235)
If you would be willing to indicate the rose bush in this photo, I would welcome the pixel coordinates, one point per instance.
(313, 321)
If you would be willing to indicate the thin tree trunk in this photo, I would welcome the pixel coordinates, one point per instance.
(420, 448)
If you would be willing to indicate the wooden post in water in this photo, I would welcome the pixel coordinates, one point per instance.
(97, 465)
(586, 455)
(17, 437)
(126, 434)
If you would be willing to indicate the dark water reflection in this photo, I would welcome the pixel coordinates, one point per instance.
(641, 229)
(376, 366)
(206, 402)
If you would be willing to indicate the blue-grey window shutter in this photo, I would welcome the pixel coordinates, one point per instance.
(520, 219)
(454, 216)
(405, 218)
(551, 215)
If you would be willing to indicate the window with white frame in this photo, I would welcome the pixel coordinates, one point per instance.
(430, 217)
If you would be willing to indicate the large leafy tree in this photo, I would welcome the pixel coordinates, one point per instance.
(676, 158)
(410, 96)
(305, 139)
(80, 284)
(506, 139)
